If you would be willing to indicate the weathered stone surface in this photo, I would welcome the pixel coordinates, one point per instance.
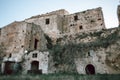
(19, 38)
(69, 23)
(42, 58)
(61, 42)
(84, 21)
(54, 27)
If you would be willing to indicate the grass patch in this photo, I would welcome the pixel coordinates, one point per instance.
(62, 77)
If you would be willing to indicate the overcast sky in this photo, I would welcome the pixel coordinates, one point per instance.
(17, 10)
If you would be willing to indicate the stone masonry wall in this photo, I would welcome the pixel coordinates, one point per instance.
(69, 23)
(34, 32)
(54, 25)
(84, 21)
(12, 38)
(18, 38)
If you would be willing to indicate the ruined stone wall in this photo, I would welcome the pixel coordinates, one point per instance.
(34, 32)
(18, 37)
(57, 12)
(62, 22)
(12, 38)
(51, 28)
(54, 25)
(84, 21)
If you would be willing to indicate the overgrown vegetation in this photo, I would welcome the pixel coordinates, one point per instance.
(99, 42)
(63, 59)
(104, 42)
(64, 55)
(62, 77)
(49, 42)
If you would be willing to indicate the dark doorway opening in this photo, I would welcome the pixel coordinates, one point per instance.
(35, 65)
(8, 69)
(35, 68)
(36, 43)
(90, 69)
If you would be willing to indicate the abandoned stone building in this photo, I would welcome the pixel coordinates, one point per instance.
(58, 42)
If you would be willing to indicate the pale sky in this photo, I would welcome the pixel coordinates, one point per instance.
(18, 10)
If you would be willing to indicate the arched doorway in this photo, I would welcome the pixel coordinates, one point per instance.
(34, 65)
(90, 69)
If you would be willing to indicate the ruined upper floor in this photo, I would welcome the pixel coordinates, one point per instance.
(60, 21)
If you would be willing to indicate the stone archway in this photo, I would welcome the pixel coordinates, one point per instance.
(90, 69)
(34, 65)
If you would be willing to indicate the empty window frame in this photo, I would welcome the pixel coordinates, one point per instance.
(75, 18)
(80, 27)
(47, 21)
(34, 55)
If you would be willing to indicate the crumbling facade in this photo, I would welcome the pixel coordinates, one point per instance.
(59, 22)
(18, 39)
(61, 42)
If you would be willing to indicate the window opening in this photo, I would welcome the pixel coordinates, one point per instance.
(75, 17)
(34, 55)
(80, 27)
(47, 21)
(35, 43)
